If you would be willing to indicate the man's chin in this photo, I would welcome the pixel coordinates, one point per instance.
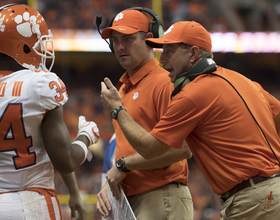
(172, 79)
(124, 64)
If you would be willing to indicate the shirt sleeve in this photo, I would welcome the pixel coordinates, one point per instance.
(272, 101)
(51, 91)
(181, 118)
(274, 104)
(163, 99)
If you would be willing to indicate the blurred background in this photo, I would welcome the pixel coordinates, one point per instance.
(246, 38)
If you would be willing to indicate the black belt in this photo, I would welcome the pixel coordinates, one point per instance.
(245, 184)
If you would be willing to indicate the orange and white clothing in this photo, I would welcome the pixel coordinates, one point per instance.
(146, 96)
(225, 140)
(25, 96)
(29, 205)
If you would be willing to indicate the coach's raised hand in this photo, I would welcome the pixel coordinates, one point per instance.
(110, 96)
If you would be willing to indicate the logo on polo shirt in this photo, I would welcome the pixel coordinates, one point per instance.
(135, 95)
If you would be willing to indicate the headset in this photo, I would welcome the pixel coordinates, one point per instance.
(205, 65)
(208, 66)
(155, 26)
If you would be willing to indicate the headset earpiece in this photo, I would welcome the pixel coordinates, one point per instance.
(157, 30)
(152, 29)
(155, 26)
(111, 45)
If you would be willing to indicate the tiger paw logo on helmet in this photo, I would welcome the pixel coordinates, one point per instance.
(29, 26)
(26, 32)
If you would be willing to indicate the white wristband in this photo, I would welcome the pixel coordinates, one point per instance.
(87, 135)
(84, 147)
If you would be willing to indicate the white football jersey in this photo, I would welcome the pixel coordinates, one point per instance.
(25, 96)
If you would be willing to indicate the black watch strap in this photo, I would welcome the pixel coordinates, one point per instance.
(115, 112)
(120, 164)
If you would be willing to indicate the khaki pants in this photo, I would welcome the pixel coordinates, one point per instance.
(252, 203)
(170, 202)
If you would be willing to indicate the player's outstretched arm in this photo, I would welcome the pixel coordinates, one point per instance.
(66, 157)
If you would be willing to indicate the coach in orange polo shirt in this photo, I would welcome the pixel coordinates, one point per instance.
(231, 124)
(157, 188)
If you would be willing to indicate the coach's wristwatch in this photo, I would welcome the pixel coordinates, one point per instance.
(114, 113)
(120, 164)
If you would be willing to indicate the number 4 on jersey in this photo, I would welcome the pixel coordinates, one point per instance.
(13, 137)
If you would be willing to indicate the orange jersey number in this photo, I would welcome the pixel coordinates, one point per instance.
(59, 88)
(13, 137)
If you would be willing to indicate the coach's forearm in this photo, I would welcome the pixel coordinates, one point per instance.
(137, 162)
(141, 140)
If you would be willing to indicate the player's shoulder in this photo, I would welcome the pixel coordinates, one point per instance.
(45, 75)
(45, 79)
(50, 89)
(35, 75)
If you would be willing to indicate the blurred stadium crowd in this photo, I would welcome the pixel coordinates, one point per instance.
(214, 15)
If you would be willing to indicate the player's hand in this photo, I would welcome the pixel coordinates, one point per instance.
(76, 205)
(103, 203)
(110, 96)
(114, 177)
(88, 129)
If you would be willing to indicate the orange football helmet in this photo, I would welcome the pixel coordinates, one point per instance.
(25, 36)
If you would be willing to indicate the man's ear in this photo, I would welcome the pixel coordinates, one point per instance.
(195, 55)
(149, 35)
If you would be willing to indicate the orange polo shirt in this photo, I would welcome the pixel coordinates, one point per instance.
(225, 140)
(146, 96)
